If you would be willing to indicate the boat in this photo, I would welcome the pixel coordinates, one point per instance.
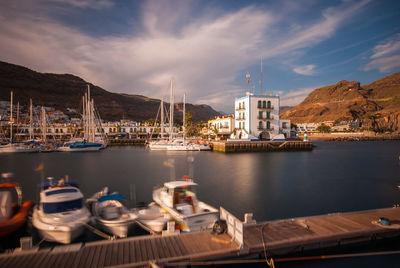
(179, 199)
(61, 215)
(12, 215)
(12, 147)
(110, 213)
(153, 218)
(91, 122)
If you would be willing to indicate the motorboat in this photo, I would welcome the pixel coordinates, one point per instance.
(80, 146)
(152, 218)
(12, 215)
(110, 213)
(61, 215)
(178, 198)
(19, 148)
(188, 146)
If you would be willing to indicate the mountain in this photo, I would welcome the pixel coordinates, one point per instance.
(376, 105)
(63, 91)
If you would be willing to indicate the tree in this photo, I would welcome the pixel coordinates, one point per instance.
(324, 128)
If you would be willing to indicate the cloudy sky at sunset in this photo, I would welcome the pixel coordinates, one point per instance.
(207, 46)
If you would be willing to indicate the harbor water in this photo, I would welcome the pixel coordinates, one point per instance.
(333, 177)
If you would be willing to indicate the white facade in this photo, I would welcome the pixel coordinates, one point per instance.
(257, 116)
(224, 124)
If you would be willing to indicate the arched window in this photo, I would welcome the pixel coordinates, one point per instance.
(269, 115)
(259, 104)
(260, 115)
(243, 105)
(260, 125)
(240, 105)
(269, 104)
(268, 125)
(264, 104)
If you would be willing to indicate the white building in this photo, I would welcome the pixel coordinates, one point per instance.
(257, 117)
(223, 124)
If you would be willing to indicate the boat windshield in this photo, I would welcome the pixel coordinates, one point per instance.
(62, 206)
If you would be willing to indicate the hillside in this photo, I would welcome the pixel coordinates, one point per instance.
(63, 91)
(376, 105)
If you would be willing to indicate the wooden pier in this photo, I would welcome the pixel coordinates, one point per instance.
(261, 146)
(242, 240)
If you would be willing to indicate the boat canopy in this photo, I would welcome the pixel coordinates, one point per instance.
(111, 197)
(179, 184)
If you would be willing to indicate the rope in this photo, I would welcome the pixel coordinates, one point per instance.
(98, 232)
(270, 262)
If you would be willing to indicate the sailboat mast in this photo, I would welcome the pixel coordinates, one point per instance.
(171, 111)
(44, 125)
(30, 120)
(89, 115)
(261, 79)
(11, 117)
(92, 126)
(162, 118)
(184, 118)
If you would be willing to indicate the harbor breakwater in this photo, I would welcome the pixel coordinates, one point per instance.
(352, 137)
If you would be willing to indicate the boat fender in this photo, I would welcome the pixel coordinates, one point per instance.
(219, 227)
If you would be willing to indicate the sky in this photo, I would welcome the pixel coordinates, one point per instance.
(207, 47)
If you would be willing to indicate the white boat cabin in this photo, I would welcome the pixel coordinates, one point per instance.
(180, 195)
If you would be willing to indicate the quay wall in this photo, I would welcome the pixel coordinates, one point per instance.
(121, 142)
(261, 146)
(352, 137)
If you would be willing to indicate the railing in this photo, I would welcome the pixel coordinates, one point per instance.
(240, 109)
(266, 108)
(265, 118)
(235, 226)
(242, 118)
(264, 128)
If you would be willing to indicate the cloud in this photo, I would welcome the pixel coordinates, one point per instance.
(305, 70)
(386, 56)
(391, 45)
(293, 98)
(95, 4)
(204, 53)
(386, 64)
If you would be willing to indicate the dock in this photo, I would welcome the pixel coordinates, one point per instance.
(261, 146)
(243, 239)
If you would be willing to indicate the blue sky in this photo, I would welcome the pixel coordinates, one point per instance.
(207, 46)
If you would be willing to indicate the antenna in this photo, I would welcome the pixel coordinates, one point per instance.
(248, 80)
(261, 78)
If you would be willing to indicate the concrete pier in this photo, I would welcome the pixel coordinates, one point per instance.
(261, 146)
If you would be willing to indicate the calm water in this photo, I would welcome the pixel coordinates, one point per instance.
(334, 177)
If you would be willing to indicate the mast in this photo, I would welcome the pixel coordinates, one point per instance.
(261, 79)
(171, 110)
(184, 117)
(92, 126)
(88, 114)
(162, 118)
(11, 117)
(44, 125)
(30, 120)
(17, 115)
(248, 80)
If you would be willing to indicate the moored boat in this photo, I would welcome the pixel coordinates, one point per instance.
(153, 218)
(61, 215)
(110, 213)
(179, 199)
(12, 215)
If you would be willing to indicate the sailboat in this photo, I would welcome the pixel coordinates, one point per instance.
(90, 120)
(161, 145)
(183, 145)
(12, 147)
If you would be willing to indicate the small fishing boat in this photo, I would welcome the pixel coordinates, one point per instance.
(12, 215)
(153, 218)
(110, 213)
(61, 215)
(179, 199)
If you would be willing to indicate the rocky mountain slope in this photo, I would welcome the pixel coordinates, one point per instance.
(376, 105)
(63, 91)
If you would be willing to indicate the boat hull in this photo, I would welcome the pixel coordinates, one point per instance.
(17, 221)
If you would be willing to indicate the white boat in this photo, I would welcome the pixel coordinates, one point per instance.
(80, 146)
(12, 147)
(188, 146)
(61, 215)
(153, 218)
(178, 198)
(110, 214)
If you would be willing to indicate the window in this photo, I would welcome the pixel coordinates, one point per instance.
(131, 130)
(284, 125)
(259, 104)
(62, 206)
(243, 105)
(269, 115)
(264, 103)
(260, 125)
(268, 125)
(260, 115)
(269, 104)
(240, 105)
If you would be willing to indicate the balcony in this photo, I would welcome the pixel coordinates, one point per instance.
(264, 128)
(241, 118)
(240, 109)
(265, 108)
(265, 118)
